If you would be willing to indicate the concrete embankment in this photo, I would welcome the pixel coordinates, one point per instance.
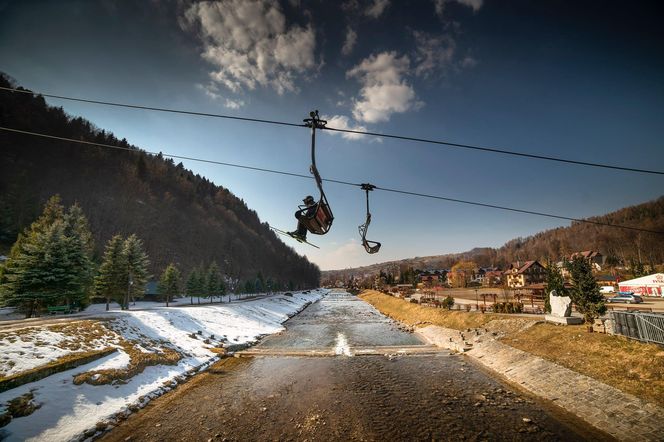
(622, 415)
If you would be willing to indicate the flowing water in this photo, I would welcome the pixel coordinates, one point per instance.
(390, 396)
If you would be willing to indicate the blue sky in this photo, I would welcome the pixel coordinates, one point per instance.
(567, 79)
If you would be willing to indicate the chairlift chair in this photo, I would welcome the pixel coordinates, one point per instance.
(370, 246)
(318, 221)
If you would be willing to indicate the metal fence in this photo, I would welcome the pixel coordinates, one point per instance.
(646, 327)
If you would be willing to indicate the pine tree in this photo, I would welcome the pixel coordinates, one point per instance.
(38, 274)
(259, 283)
(191, 287)
(169, 283)
(112, 280)
(201, 281)
(213, 286)
(585, 291)
(554, 281)
(50, 263)
(137, 266)
(80, 251)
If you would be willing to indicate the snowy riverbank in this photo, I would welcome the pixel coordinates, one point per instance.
(67, 411)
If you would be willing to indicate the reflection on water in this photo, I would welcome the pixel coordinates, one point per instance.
(338, 317)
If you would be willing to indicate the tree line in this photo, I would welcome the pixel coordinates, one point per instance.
(52, 264)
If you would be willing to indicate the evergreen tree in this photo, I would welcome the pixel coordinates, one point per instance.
(80, 250)
(249, 287)
(137, 266)
(112, 280)
(50, 262)
(191, 287)
(554, 281)
(38, 276)
(260, 283)
(585, 292)
(169, 283)
(201, 283)
(213, 283)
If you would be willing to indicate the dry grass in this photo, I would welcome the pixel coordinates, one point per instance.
(63, 363)
(414, 314)
(629, 366)
(79, 335)
(138, 361)
(19, 407)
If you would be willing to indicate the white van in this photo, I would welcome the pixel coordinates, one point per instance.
(607, 289)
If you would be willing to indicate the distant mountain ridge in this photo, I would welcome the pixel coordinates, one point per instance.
(181, 217)
(618, 245)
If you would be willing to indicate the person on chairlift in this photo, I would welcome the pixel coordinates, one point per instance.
(307, 212)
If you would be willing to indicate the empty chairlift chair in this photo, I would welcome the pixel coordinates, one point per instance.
(370, 246)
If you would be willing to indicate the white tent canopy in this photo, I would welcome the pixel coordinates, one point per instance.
(651, 285)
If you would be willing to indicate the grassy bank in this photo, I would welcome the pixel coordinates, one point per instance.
(629, 366)
(414, 314)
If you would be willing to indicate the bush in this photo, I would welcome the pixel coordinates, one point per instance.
(508, 307)
(413, 301)
(448, 303)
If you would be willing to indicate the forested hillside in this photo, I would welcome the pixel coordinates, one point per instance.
(620, 246)
(181, 217)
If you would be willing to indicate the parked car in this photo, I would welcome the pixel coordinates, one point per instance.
(626, 297)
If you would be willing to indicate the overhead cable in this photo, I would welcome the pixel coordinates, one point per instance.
(347, 183)
(494, 150)
(156, 109)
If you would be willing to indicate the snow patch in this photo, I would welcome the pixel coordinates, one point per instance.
(70, 412)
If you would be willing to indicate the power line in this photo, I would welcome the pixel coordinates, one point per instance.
(156, 109)
(179, 157)
(499, 151)
(351, 131)
(330, 180)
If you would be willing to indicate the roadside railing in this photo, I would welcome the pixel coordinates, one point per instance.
(645, 327)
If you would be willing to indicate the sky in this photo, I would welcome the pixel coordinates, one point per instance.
(580, 80)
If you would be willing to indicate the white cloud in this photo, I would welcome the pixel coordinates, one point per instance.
(349, 42)
(384, 88)
(249, 44)
(376, 8)
(433, 53)
(468, 62)
(233, 104)
(343, 122)
(440, 5)
(212, 91)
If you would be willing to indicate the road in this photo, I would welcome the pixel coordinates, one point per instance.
(414, 392)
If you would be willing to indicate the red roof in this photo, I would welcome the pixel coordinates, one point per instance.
(521, 268)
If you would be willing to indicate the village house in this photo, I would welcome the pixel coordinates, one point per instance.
(595, 259)
(492, 278)
(520, 274)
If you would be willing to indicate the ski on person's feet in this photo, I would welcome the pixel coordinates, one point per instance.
(294, 236)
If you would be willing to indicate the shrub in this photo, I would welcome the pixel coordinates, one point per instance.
(413, 301)
(448, 302)
(508, 307)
